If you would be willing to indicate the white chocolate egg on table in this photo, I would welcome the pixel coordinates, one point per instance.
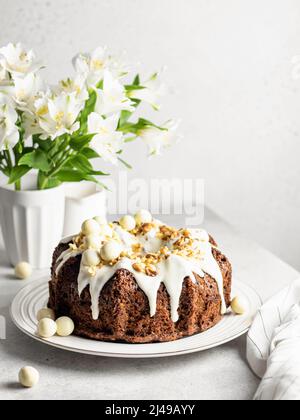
(29, 377)
(23, 270)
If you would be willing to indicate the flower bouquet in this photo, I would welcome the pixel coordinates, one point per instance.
(57, 132)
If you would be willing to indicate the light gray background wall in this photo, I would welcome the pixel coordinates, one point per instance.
(230, 63)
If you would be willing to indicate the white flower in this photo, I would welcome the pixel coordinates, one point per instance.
(15, 60)
(9, 134)
(153, 90)
(76, 85)
(157, 139)
(57, 114)
(112, 99)
(107, 142)
(7, 89)
(92, 66)
(31, 125)
(26, 90)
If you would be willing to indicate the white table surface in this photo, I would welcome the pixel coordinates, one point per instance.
(221, 373)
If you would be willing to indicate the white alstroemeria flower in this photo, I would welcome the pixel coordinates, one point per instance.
(153, 90)
(26, 90)
(57, 114)
(76, 85)
(8, 90)
(9, 134)
(92, 66)
(107, 142)
(17, 61)
(31, 125)
(157, 140)
(112, 99)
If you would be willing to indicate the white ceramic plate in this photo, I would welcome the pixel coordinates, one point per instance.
(34, 297)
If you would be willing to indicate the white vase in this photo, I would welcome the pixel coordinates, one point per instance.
(32, 223)
(83, 201)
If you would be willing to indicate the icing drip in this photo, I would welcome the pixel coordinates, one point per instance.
(171, 271)
(64, 257)
(174, 271)
(149, 285)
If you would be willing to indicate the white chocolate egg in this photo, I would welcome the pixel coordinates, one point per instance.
(45, 313)
(143, 216)
(93, 242)
(128, 223)
(29, 377)
(101, 220)
(90, 258)
(238, 305)
(111, 251)
(23, 270)
(90, 227)
(47, 328)
(65, 326)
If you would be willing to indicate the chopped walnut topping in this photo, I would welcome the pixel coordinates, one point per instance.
(139, 267)
(144, 229)
(137, 248)
(186, 233)
(165, 251)
(151, 270)
(147, 227)
(167, 233)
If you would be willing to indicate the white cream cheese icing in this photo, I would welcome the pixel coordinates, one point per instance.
(171, 271)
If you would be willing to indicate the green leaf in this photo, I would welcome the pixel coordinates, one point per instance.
(70, 175)
(134, 128)
(36, 160)
(127, 165)
(17, 173)
(137, 80)
(130, 139)
(100, 84)
(82, 163)
(131, 88)
(88, 109)
(79, 142)
(47, 183)
(125, 115)
(96, 181)
(89, 153)
(45, 145)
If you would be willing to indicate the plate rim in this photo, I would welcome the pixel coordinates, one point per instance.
(45, 279)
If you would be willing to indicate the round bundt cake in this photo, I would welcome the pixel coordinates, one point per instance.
(139, 281)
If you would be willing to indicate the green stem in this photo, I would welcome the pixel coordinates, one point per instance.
(8, 159)
(18, 185)
(58, 166)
